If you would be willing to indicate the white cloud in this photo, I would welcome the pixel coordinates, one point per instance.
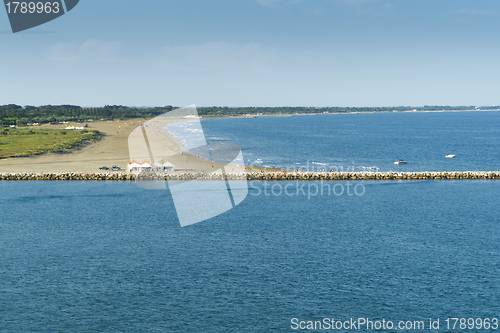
(89, 50)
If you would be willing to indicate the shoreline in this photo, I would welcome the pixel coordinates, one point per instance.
(250, 116)
(113, 148)
(254, 175)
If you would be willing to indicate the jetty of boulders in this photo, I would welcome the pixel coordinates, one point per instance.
(262, 175)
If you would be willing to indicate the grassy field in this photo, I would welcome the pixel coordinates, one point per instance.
(30, 141)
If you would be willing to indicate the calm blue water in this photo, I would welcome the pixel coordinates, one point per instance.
(111, 257)
(353, 142)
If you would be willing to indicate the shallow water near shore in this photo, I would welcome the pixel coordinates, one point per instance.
(357, 142)
(107, 256)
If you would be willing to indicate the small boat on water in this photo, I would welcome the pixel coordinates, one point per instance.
(449, 156)
(400, 162)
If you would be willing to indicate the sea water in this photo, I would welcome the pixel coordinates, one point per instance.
(111, 256)
(373, 141)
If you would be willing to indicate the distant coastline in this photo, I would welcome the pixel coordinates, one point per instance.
(341, 113)
(113, 148)
(17, 115)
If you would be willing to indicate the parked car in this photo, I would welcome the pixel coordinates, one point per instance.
(104, 168)
(115, 168)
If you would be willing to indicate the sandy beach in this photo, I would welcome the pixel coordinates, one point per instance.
(112, 149)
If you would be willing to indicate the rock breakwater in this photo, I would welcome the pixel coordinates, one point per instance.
(277, 176)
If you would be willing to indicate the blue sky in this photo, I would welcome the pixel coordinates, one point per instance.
(257, 53)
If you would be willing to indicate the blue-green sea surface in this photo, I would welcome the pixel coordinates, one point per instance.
(111, 257)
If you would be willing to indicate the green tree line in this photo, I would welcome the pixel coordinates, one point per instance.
(12, 113)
